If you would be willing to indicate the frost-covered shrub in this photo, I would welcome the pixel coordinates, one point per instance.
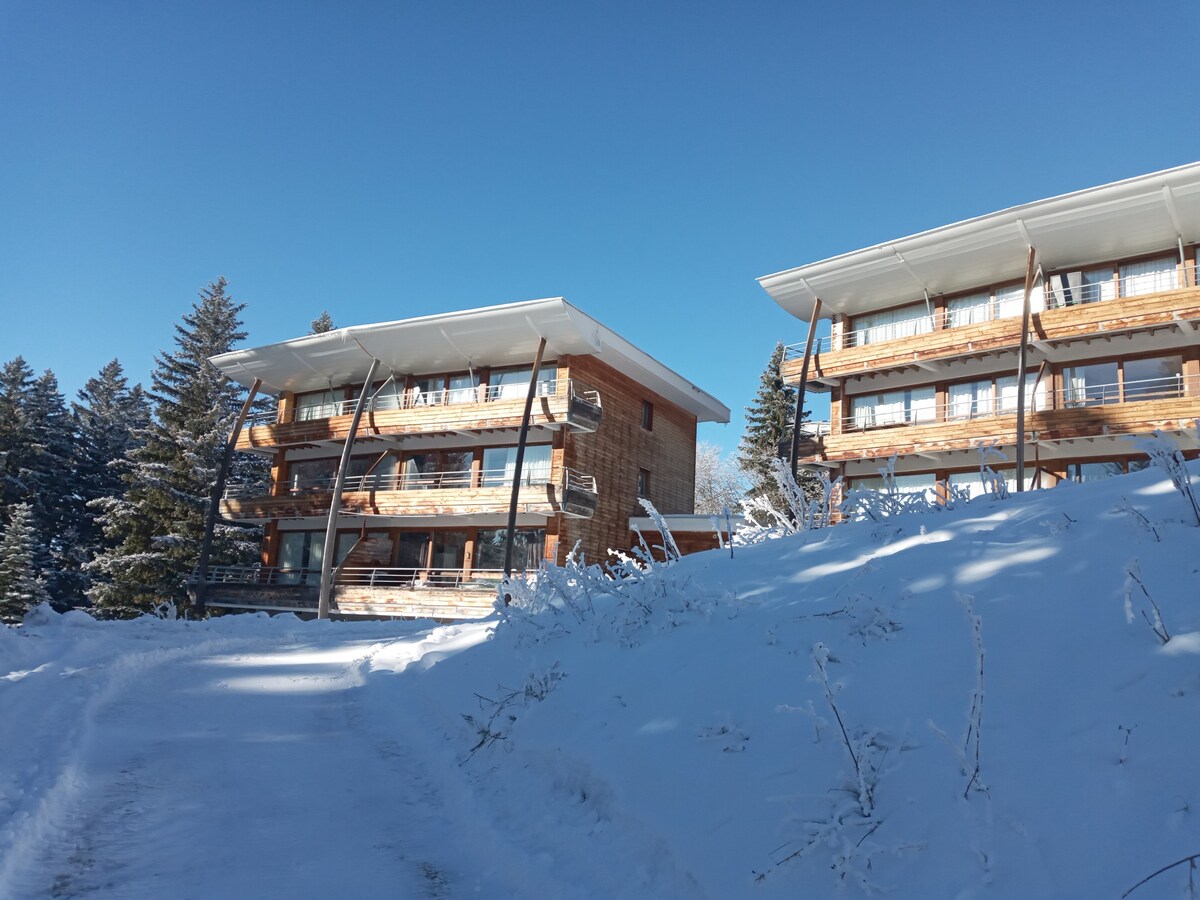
(891, 500)
(634, 592)
(764, 522)
(1164, 452)
(993, 484)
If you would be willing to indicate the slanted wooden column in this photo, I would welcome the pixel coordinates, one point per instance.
(812, 330)
(520, 461)
(214, 499)
(1022, 365)
(335, 502)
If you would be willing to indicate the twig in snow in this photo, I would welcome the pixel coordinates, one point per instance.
(1190, 860)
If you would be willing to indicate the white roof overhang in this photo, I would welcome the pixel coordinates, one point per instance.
(489, 336)
(1125, 218)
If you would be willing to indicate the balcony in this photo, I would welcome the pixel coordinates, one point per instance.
(418, 593)
(558, 404)
(1133, 303)
(1076, 413)
(417, 494)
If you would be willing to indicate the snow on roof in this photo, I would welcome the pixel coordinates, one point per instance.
(501, 335)
(1125, 218)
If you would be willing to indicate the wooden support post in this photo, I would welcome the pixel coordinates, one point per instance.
(1022, 365)
(812, 330)
(335, 502)
(214, 499)
(510, 535)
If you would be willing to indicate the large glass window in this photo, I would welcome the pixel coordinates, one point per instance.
(428, 391)
(449, 549)
(300, 555)
(905, 484)
(969, 310)
(894, 408)
(1091, 385)
(312, 476)
(1010, 301)
(318, 405)
(463, 388)
(412, 549)
(970, 399)
(1006, 393)
(381, 477)
(1149, 276)
(500, 465)
(1094, 471)
(1153, 379)
(529, 546)
(890, 325)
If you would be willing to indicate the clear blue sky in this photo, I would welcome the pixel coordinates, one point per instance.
(646, 160)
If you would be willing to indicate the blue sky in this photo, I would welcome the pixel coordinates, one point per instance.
(646, 160)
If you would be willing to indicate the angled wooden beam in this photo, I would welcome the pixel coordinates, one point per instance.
(335, 502)
(214, 499)
(808, 342)
(1022, 365)
(520, 461)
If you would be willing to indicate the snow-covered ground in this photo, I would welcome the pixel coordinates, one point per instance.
(686, 750)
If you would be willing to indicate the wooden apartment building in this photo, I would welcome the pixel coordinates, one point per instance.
(432, 410)
(926, 339)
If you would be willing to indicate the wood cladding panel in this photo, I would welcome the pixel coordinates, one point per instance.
(1063, 324)
(551, 411)
(533, 498)
(615, 452)
(1050, 425)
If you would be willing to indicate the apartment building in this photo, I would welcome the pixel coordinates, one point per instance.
(926, 339)
(427, 414)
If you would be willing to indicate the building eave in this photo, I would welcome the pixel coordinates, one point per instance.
(1125, 218)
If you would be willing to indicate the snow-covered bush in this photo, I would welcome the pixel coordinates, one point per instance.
(764, 522)
(993, 484)
(1164, 452)
(890, 500)
(633, 592)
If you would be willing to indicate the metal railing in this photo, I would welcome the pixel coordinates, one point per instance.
(963, 409)
(411, 481)
(417, 399)
(577, 481)
(1058, 291)
(431, 577)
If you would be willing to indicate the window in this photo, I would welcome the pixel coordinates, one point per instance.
(1094, 471)
(1091, 385)
(529, 545)
(905, 484)
(463, 388)
(428, 391)
(643, 484)
(969, 310)
(890, 325)
(1096, 384)
(647, 415)
(1149, 276)
(300, 555)
(970, 399)
(1006, 393)
(894, 408)
(318, 405)
(1153, 379)
(500, 465)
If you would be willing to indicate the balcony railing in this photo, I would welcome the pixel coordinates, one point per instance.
(417, 399)
(1059, 291)
(379, 577)
(409, 481)
(1073, 397)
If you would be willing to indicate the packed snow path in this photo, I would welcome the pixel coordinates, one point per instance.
(270, 766)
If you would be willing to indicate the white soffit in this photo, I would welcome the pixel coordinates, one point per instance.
(1125, 218)
(489, 336)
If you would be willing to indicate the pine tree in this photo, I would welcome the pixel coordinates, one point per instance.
(15, 380)
(768, 432)
(321, 324)
(52, 488)
(108, 418)
(21, 589)
(157, 526)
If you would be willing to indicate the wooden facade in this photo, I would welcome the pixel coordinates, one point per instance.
(420, 525)
(928, 376)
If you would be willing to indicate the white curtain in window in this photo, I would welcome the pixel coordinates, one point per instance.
(1006, 393)
(891, 324)
(1096, 286)
(462, 388)
(1149, 276)
(974, 398)
(314, 406)
(922, 404)
(969, 310)
(1010, 301)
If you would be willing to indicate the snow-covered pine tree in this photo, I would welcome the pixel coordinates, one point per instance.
(109, 417)
(15, 380)
(53, 495)
(321, 324)
(156, 528)
(21, 589)
(768, 432)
